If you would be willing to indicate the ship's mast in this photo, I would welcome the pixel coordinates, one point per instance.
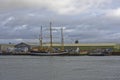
(50, 34)
(62, 40)
(41, 37)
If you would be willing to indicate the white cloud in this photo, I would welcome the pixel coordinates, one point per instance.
(7, 20)
(20, 27)
(113, 13)
(69, 30)
(58, 6)
(19, 40)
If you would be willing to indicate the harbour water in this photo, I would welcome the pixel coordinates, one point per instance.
(60, 68)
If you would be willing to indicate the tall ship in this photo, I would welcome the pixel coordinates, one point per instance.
(50, 51)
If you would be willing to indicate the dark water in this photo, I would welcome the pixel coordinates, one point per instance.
(59, 68)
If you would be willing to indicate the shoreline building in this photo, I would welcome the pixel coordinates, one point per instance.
(83, 47)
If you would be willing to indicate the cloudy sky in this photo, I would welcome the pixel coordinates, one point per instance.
(88, 21)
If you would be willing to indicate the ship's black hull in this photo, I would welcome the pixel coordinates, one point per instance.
(49, 54)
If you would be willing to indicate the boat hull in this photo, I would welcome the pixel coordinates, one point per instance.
(49, 54)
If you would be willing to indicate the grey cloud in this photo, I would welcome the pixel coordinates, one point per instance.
(61, 7)
(89, 30)
(85, 26)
